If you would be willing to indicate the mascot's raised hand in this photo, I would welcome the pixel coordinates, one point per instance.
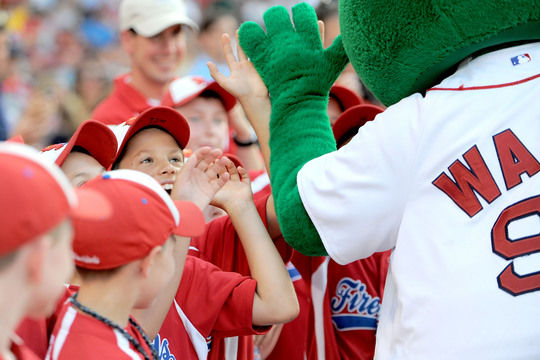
(299, 73)
(290, 56)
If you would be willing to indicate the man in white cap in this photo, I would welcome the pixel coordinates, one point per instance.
(153, 36)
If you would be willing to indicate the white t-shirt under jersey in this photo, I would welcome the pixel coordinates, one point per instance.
(451, 182)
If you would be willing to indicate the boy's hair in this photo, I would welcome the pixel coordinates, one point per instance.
(7, 259)
(90, 274)
(81, 150)
(211, 94)
(349, 134)
(327, 9)
(214, 11)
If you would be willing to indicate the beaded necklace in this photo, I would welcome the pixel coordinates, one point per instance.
(131, 339)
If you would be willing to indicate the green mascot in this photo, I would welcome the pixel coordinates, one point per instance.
(447, 176)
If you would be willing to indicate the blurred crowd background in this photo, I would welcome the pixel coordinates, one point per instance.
(58, 57)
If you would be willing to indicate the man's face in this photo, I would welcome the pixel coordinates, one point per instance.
(156, 58)
(156, 153)
(208, 123)
(80, 168)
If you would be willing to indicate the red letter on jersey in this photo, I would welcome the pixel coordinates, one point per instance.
(507, 248)
(478, 178)
(514, 157)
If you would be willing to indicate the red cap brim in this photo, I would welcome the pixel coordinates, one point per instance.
(191, 219)
(16, 139)
(355, 116)
(235, 159)
(346, 97)
(91, 205)
(228, 100)
(94, 137)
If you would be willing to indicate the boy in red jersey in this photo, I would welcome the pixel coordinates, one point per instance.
(38, 206)
(121, 272)
(155, 147)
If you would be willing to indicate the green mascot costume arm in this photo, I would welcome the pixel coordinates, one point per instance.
(299, 74)
(397, 47)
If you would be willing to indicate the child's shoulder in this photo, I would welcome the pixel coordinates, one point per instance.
(80, 336)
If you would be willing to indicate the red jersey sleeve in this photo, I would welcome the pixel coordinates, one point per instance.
(221, 246)
(217, 302)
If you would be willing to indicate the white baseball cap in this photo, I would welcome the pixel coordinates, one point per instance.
(150, 17)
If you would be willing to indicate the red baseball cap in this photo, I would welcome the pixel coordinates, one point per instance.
(235, 159)
(17, 138)
(355, 116)
(93, 136)
(36, 197)
(345, 96)
(163, 117)
(143, 216)
(184, 89)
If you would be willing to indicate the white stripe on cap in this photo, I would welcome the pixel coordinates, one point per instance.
(53, 153)
(185, 87)
(148, 181)
(120, 132)
(27, 152)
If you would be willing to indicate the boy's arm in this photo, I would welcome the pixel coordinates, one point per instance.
(250, 155)
(247, 86)
(197, 182)
(299, 73)
(275, 299)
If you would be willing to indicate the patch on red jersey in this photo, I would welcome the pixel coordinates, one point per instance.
(353, 308)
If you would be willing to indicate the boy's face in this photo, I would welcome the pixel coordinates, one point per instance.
(208, 123)
(160, 274)
(156, 153)
(80, 168)
(57, 268)
(156, 58)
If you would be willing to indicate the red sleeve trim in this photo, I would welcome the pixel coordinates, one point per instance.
(486, 87)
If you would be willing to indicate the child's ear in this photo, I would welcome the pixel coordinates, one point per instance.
(35, 258)
(149, 260)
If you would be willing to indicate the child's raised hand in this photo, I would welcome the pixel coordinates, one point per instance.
(236, 192)
(201, 177)
(244, 81)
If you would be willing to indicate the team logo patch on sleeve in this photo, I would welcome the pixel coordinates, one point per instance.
(353, 308)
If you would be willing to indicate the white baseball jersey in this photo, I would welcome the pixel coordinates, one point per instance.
(451, 182)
